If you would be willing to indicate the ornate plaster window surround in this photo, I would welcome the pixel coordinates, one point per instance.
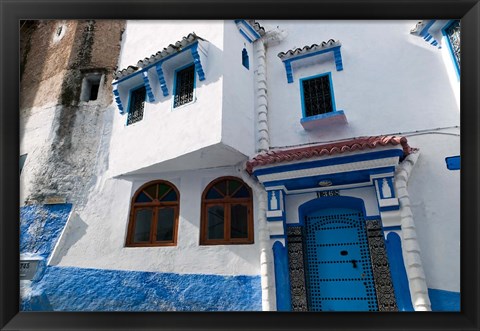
(318, 102)
(298, 55)
(154, 214)
(192, 49)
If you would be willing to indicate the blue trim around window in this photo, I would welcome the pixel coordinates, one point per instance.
(174, 89)
(302, 94)
(133, 89)
(450, 48)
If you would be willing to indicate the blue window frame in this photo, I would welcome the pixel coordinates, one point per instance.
(317, 95)
(136, 104)
(184, 85)
(452, 33)
(245, 61)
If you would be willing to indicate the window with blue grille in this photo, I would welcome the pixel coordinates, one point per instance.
(452, 34)
(317, 95)
(137, 102)
(184, 86)
(245, 61)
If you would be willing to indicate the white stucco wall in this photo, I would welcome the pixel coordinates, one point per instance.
(435, 201)
(97, 239)
(391, 81)
(164, 132)
(238, 120)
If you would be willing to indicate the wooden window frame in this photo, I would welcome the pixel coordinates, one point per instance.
(227, 203)
(155, 205)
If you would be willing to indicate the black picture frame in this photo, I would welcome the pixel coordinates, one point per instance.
(12, 11)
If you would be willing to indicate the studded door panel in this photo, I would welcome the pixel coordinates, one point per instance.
(339, 274)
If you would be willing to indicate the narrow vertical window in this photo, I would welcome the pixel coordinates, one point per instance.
(184, 86)
(317, 95)
(154, 215)
(137, 101)
(245, 60)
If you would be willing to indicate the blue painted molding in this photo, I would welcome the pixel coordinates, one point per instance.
(148, 88)
(80, 289)
(328, 162)
(450, 48)
(245, 59)
(392, 228)
(118, 101)
(282, 279)
(453, 162)
(161, 79)
(337, 56)
(278, 236)
(329, 202)
(444, 300)
(247, 31)
(398, 272)
(197, 62)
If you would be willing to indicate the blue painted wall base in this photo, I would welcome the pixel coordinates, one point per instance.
(444, 300)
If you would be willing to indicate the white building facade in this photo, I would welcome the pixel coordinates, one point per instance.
(255, 165)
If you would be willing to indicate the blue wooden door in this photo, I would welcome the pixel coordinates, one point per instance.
(339, 273)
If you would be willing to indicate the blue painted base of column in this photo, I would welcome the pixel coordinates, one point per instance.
(282, 282)
(444, 300)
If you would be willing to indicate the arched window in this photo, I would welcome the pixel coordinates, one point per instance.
(227, 215)
(154, 215)
(245, 61)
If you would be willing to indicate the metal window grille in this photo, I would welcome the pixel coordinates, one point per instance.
(135, 112)
(317, 96)
(184, 86)
(453, 34)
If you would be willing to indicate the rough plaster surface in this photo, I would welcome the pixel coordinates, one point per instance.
(77, 289)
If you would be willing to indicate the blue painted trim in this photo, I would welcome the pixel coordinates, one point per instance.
(329, 162)
(390, 185)
(198, 64)
(148, 88)
(354, 177)
(302, 93)
(322, 116)
(426, 28)
(450, 48)
(161, 79)
(245, 59)
(175, 83)
(276, 218)
(282, 279)
(245, 36)
(442, 300)
(392, 228)
(389, 208)
(329, 202)
(453, 162)
(337, 58)
(277, 197)
(133, 89)
(278, 236)
(155, 63)
(398, 272)
(118, 101)
(375, 217)
(250, 29)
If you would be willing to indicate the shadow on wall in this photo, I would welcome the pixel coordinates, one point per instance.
(75, 229)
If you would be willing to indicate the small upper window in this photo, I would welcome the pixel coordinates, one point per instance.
(154, 215)
(317, 95)
(137, 102)
(245, 60)
(90, 86)
(184, 86)
(23, 158)
(226, 213)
